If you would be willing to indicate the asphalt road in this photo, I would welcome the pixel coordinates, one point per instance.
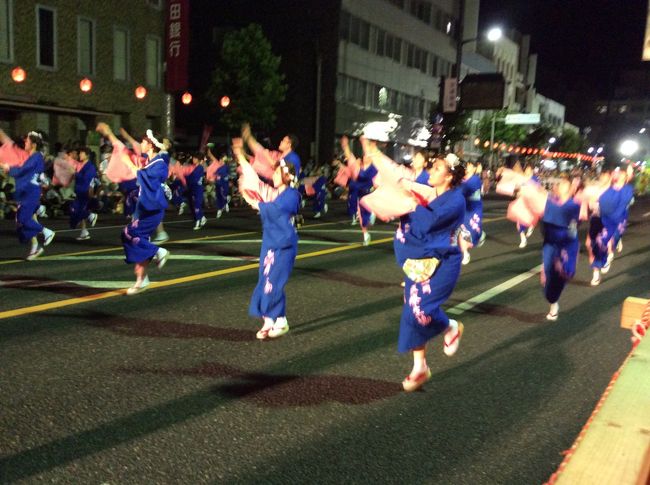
(171, 386)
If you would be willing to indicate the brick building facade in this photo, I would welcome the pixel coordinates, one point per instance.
(116, 44)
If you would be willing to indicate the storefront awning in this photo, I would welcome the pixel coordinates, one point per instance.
(21, 105)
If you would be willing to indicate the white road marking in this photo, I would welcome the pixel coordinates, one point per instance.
(186, 257)
(99, 228)
(244, 241)
(492, 292)
(356, 231)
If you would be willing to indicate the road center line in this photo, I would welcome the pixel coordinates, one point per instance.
(171, 282)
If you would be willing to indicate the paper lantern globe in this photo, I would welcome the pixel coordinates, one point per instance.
(85, 85)
(186, 98)
(140, 92)
(18, 74)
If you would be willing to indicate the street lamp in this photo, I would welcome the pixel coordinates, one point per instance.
(629, 148)
(494, 34)
(552, 140)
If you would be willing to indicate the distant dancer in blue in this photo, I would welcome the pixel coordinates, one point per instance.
(471, 188)
(150, 209)
(195, 190)
(278, 252)
(426, 248)
(363, 180)
(222, 188)
(320, 197)
(28, 192)
(561, 245)
(526, 231)
(85, 180)
(353, 201)
(420, 167)
(623, 183)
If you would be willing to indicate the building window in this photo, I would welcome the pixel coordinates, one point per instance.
(86, 46)
(45, 37)
(153, 62)
(6, 31)
(344, 27)
(622, 108)
(120, 54)
(381, 42)
(364, 34)
(397, 50)
(601, 109)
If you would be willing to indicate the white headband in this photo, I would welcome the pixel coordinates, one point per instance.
(285, 168)
(452, 161)
(156, 143)
(37, 135)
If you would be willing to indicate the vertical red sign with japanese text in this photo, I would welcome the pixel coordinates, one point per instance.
(177, 44)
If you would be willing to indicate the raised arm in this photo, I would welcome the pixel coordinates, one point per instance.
(4, 138)
(134, 143)
(345, 145)
(105, 130)
(249, 139)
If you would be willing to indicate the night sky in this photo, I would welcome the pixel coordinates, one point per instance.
(582, 44)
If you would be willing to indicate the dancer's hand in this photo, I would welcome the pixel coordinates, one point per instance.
(245, 131)
(103, 129)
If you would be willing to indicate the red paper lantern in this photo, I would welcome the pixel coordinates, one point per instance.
(85, 85)
(224, 102)
(18, 74)
(140, 92)
(186, 98)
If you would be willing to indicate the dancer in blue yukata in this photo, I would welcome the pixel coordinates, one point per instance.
(195, 190)
(426, 248)
(221, 178)
(363, 174)
(150, 209)
(27, 191)
(561, 245)
(623, 183)
(471, 188)
(85, 180)
(278, 206)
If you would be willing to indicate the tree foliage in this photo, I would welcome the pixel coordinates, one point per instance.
(249, 74)
(456, 126)
(571, 141)
(540, 136)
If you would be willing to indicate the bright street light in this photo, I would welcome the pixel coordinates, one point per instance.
(552, 139)
(629, 148)
(494, 34)
(590, 150)
(642, 130)
(600, 150)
